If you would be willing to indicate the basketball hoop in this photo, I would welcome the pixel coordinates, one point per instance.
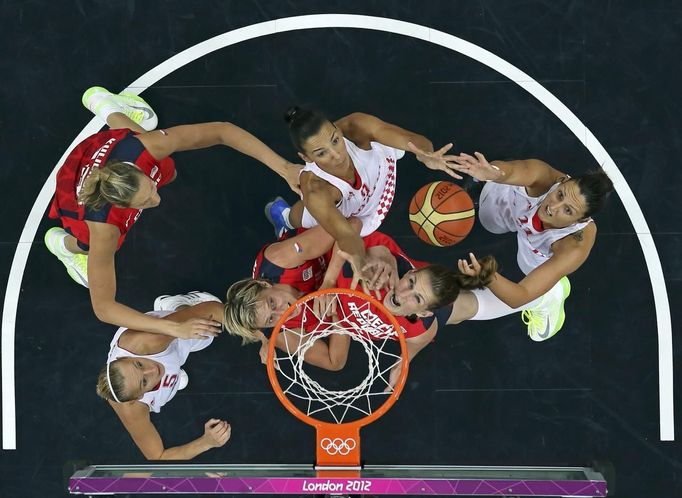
(337, 415)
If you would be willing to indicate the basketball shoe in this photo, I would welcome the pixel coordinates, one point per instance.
(277, 213)
(76, 264)
(102, 102)
(172, 303)
(547, 318)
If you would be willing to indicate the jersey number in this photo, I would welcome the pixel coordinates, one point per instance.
(170, 381)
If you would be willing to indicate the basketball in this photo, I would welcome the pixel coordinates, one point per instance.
(441, 214)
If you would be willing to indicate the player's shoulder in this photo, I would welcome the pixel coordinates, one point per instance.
(314, 186)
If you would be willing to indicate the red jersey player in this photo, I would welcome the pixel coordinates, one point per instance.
(110, 178)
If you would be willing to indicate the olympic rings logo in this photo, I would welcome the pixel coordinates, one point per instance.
(338, 446)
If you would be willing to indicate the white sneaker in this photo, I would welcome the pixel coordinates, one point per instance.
(97, 98)
(183, 380)
(172, 303)
(76, 264)
(547, 318)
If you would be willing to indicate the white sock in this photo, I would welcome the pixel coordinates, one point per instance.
(491, 307)
(105, 109)
(62, 245)
(285, 216)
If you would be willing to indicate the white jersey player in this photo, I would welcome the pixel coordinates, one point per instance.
(143, 373)
(550, 213)
(350, 171)
(370, 195)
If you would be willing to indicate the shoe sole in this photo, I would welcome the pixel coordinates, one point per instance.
(566, 286)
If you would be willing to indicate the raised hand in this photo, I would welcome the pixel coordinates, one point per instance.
(217, 432)
(472, 269)
(291, 174)
(436, 160)
(477, 167)
(357, 263)
(197, 328)
(384, 274)
(325, 306)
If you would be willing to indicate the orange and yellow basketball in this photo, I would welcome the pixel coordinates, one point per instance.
(441, 214)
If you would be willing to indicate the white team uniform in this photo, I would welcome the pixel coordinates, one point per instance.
(172, 358)
(509, 208)
(372, 196)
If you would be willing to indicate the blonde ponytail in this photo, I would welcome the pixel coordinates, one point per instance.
(115, 183)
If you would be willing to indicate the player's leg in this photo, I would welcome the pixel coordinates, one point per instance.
(544, 316)
(284, 217)
(305, 246)
(68, 250)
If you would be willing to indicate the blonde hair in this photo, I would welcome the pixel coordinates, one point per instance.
(111, 377)
(239, 311)
(115, 183)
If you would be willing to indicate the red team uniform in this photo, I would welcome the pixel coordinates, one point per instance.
(304, 278)
(371, 316)
(94, 152)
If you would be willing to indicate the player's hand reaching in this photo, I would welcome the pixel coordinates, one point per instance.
(384, 275)
(325, 305)
(197, 328)
(436, 160)
(291, 173)
(363, 271)
(472, 269)
(477, 167)
(217, 432)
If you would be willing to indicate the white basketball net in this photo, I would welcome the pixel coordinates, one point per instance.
(362, 325)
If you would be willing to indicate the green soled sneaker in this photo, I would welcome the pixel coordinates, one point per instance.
(76, 264)
(99, 100)
(547, 318)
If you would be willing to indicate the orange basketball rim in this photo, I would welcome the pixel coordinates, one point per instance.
(338, 444)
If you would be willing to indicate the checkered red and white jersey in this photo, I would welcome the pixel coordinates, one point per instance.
(371, 195)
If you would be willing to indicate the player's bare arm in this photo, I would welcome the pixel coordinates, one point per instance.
(102, 280)
(414, 346)
(361, 129)
(536, 175)
(321, 204)
(135, 417)
(162, 143)
(569, 254)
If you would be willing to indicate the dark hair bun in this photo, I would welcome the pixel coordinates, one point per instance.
(289, 116)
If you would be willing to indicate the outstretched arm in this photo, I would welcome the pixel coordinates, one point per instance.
(363, 128)
(135, 418)
(414, 346)
(102, 284)
(322, 207)
(569, 254)
(534, 174)
(162, 143)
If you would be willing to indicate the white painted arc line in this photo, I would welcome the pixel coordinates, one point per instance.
(16, 274)
(378, 24)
